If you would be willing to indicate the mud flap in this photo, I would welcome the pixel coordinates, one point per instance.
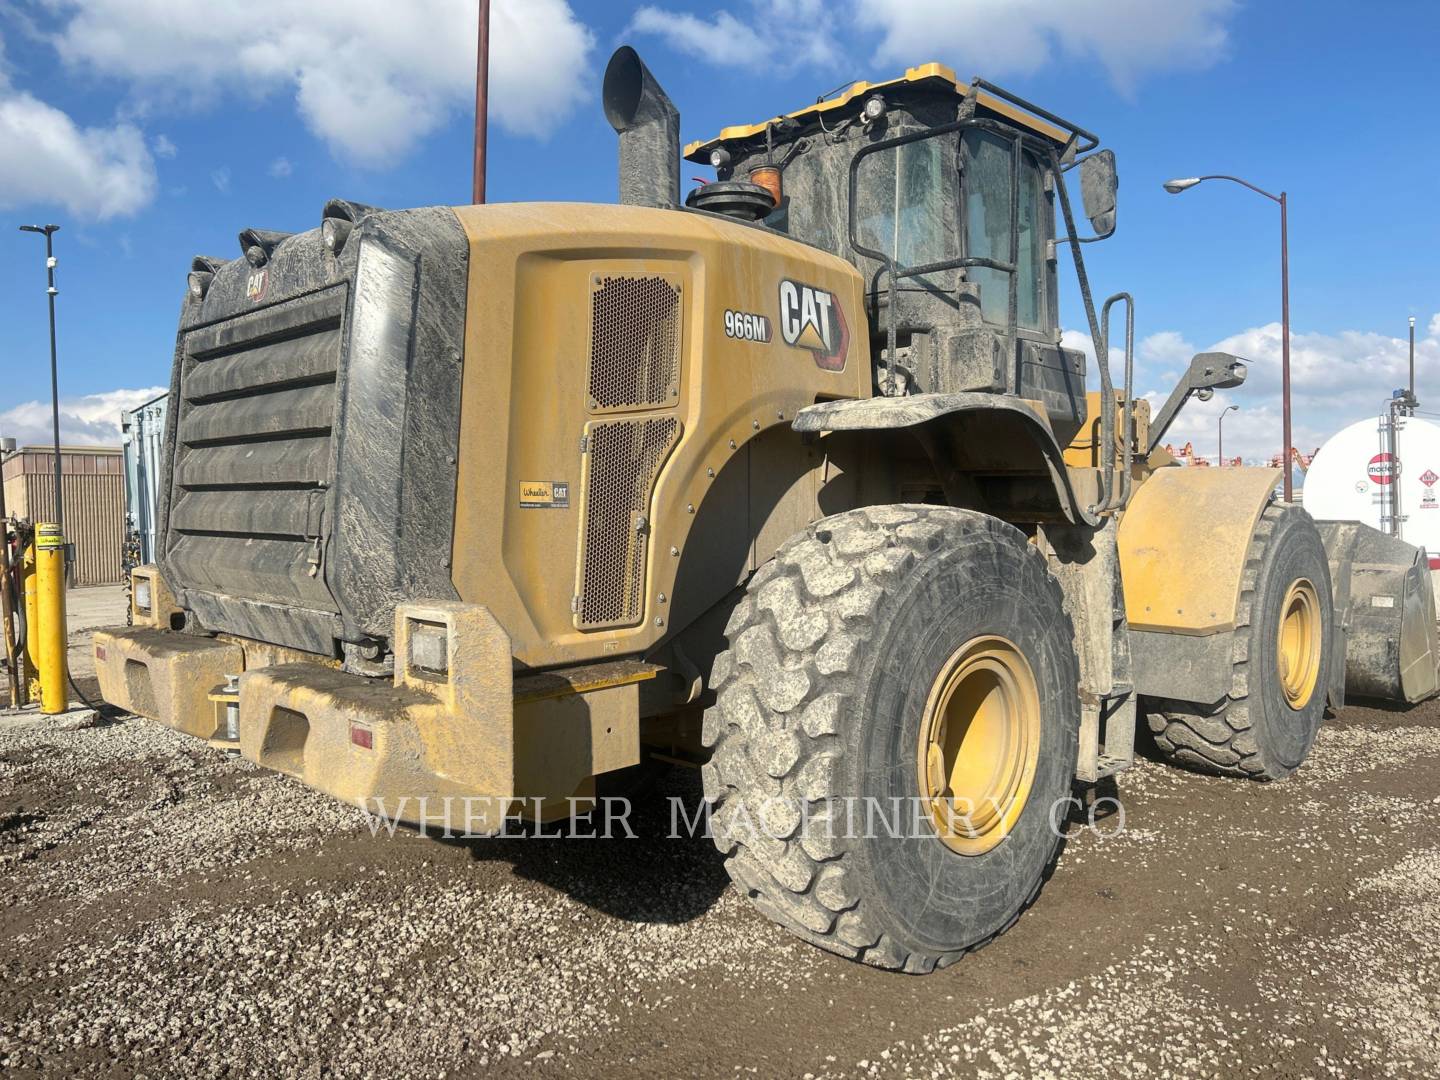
(1387, 609)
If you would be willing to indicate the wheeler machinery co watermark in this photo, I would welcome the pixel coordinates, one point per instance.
(609, 817)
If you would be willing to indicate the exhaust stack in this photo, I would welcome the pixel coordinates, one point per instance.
(649, 127)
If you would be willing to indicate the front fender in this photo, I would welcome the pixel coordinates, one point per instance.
(1183, 542)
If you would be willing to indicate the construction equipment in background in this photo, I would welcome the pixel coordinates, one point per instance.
(11, 603)
(794, 481)
(1297, 459)
(23, 597)
(1186, 455)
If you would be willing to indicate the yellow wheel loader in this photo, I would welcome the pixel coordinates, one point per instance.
(792, 480)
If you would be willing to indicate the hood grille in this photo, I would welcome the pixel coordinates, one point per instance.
(625, 458)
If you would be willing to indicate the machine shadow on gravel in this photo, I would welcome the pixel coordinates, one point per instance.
(653, 876)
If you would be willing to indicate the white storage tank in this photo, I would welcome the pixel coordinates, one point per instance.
(1363, 474)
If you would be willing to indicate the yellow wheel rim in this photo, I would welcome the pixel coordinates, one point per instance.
(979, 744)
(1297, 653)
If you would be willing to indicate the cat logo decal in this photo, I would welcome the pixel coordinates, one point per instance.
(812, 319)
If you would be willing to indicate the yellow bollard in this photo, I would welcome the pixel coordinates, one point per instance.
(31, 588)
(50, 577)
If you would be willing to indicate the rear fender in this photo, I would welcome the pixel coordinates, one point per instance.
(981, 443)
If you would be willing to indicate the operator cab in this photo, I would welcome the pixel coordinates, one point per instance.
(944, 197)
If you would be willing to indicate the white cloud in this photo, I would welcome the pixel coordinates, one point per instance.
(48, 160)
(1335, 380)
(280, 168)
(1167, 351)
(91, 420)
(163, 147)
(996, 38)
(722, 40)
(221, 179)
(369, 77)
(1078, 339)
(779, 33)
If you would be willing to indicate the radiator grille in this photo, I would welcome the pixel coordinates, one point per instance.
(634, 341)
(625, 457)
(252, 460)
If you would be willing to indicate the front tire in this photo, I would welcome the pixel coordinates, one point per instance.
(911, 653)
(1265, 726)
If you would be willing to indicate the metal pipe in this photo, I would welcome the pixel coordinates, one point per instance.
(1120, 495)
(482, 102)
(1413, 402)
(649, 128)
(50, 292)
(30, 587)
(1097, 336)
(1285, 343)
(50, 631)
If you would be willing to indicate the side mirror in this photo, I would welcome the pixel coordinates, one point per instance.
(1098, 185)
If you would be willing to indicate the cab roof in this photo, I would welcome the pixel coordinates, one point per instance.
(932, 76)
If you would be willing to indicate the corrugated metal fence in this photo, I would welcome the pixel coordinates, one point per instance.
(94, 490)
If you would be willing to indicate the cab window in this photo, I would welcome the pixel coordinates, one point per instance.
(902, 193)
(986, 190)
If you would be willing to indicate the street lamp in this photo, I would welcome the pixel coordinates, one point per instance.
(50, 291)
(1175, 187)
(1220, 433)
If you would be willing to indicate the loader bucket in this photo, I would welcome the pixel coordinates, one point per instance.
(1384, 599)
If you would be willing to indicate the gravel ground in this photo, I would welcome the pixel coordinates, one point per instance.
(170, 911)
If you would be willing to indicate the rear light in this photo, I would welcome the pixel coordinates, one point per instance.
(362, 737)
(430, 648)
(142, 596)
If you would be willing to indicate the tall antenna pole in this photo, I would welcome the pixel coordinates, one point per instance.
(1412, 361)
(482, 94)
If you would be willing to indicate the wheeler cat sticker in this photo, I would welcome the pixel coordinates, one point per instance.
(544, 494)
(812, 319)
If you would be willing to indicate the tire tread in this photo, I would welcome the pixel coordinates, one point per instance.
(844, 568)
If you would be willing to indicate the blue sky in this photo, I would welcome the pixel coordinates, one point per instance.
(154, 130)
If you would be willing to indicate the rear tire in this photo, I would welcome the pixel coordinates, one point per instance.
(835, 655)
(1265, 726)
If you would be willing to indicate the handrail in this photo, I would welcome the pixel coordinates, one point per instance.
(1128, 397)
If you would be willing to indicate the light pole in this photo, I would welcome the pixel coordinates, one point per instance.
(482, 102)
(50, 291)
(1220, 433)
(1175, 187)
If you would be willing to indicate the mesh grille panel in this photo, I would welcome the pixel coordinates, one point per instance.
(625, 457)
(634, 342)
